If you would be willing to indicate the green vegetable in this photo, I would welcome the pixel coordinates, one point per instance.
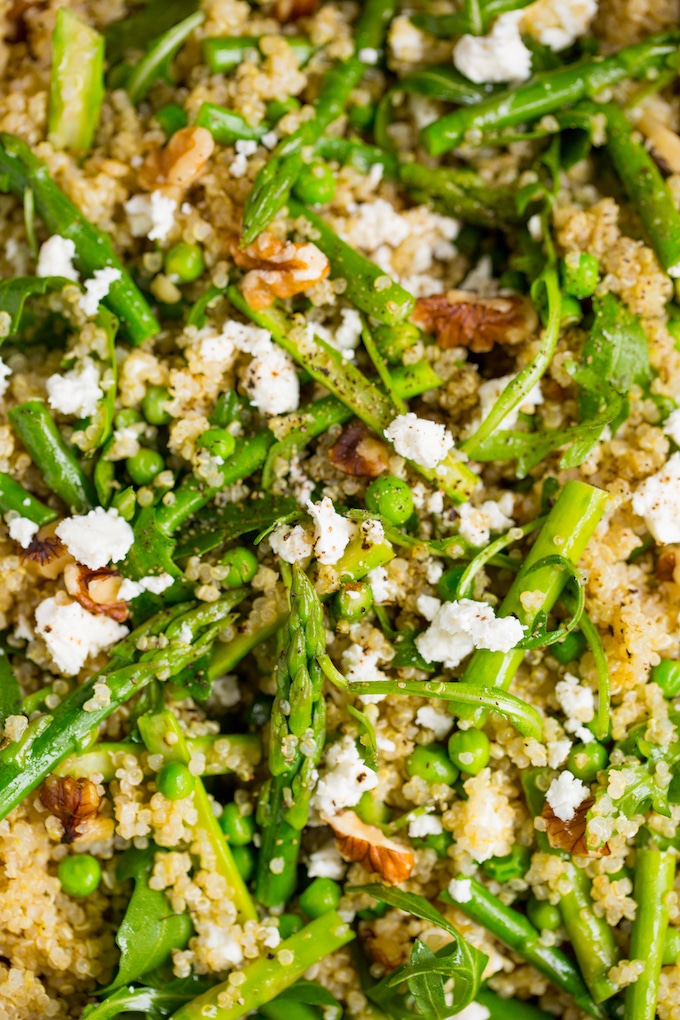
(353, 601)
(579, 273)
(267, 978)
(320, 897)
(671, 947)
(10, 692)
(509, 867)
(474, 19)
(76, 84)
(570, 649)
(316, 184)
(543, 915)
(224, 55)
(156, 61)
(154, 1003)
(243, 566)
(290, 924)
(654, 876)
(15, 292)
(469, 750)
(238, 828)
(184, 262)
(245, 861)
(371, 810)
(79, 874)
(137, 31)
(143, 466)
(171, 118)
(586, 760)
(153, 405)
(667, 675)
(461, 192)
(13, 497)
(226, 126)
(431, 763)
(391, 498)
(218, 442)
(175, 781)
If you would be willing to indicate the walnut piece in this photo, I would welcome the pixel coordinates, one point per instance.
(177, 166)
(278, 269)
(571, 836)
(46, 554)
(369, 847)
(75, 802)
(666, 564)
(463, 319)
(359, 452)
(291, 10)
(96, 590)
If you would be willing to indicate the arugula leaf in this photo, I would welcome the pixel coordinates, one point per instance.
(311, 993)
(426, 973)
(10, 693)
(616, 353)
(149, 930)
(155, 1003)
(137, 31)
(216, 525)
(406, 655)
(15, 292)
(446, 83)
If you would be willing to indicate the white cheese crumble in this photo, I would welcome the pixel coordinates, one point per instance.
(151, 216)
(558, 23)
(500, 56)
(332, 533)
(459, 627)
(272, 383)
(292, 544)
(578, 704)
(460, 889)
(478, 523)
(55, 258)
(348, 334)
(72, 634)
(97, 538)
(368, 55)
(425, 825)
(344, 779)
(22, 530)
(97, 288)
(418, 439)
(239, 165)
(77, 391)
(381, 586)
(475, 1011)
(326, 863)
(428, 606)
(154, 583)
(490, 391)
(671, 426)
(441, 723)
(5, 373)
(564, 795)
(658, 501)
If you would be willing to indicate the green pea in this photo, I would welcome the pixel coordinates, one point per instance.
(469, 750)
(361, 116)
(371, 810)
(667, 675)
(127, 416)
(238, 829)
(244, 859)
(571, 311)
(447, 585)
(143, 466)
(580, 274)
(671, 946)
(175, 781)
(79, 874)
(439, 842)
(543, 915)
(278, 108)
(431, 762)
(512, 865)
(586, 760)
(171, 118)
(664, 405)
(321, 896)
(391, 498)
(354, 600)
(153, 405)
(242, 565)
(125, 502)
(218, 442)
(572, 648)
(184, 262)
(316, 184)
(290, 924)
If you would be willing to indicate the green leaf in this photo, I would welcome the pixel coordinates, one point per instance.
(10, 693)
(445, 83)
(311, 993)
(427, 988)
(149, 930)
(137, 31)
(406, 655)
(217, 525)
(14, 294)
(151, 552)
(155, 1003)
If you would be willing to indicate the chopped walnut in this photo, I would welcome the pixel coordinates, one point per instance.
(665, 565)
(359, 452)
(176, 167)
(75, 802)
(278, 269)
(46, 554)
(462, 319)
(96, 590)
(571, 835)
(291, 10)
(369, 847)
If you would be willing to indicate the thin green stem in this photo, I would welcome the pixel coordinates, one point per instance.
(654, 878)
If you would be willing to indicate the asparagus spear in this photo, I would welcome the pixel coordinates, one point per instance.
(21, 170)
(77, 82)
(460, 192)
(156, 60)
(274, 182)
(654, 877)
(549, 92)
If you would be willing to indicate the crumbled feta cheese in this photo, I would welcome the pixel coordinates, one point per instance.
(348, 334)
(76, 391)
(272, 383)
(72, 634)
(376, 223)
(578, 704)
(658, 501)
(557, 751)
(326, 863)
(291, 544)
(55, 258)
(564, 795)
(239, 165)
(418, 439)
(344, 778)
(225, 951)
(558, 23)
(500, 56)
(155, 584)
(475, 1011)
(332, 532)
(425, 825)
(22, 530)
(97, 288)
(361, 663)
(5, 373)
(460, 889)
(383, 590)
(459, 627)
(477, 523)
(433, 570)
(270, 140)
(97, 538)
(671, 426)
(441, 723)
(151, 216)
(372, 533)
(406, 41)
(490, 391)
(368, 55)
(428, 606)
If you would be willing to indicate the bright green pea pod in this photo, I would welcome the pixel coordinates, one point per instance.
(77, 82)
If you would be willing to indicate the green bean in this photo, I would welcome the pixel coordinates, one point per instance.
(357, 154)
(13, 497)
(548, 92)
(21, 170)
(62, 473)
(158, 57)
(591, 937)
(223, 55)
(76, 84)
(226, 126)
(654, 877)
(459, 191)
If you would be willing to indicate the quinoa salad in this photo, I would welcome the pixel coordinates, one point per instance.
(339, 509)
